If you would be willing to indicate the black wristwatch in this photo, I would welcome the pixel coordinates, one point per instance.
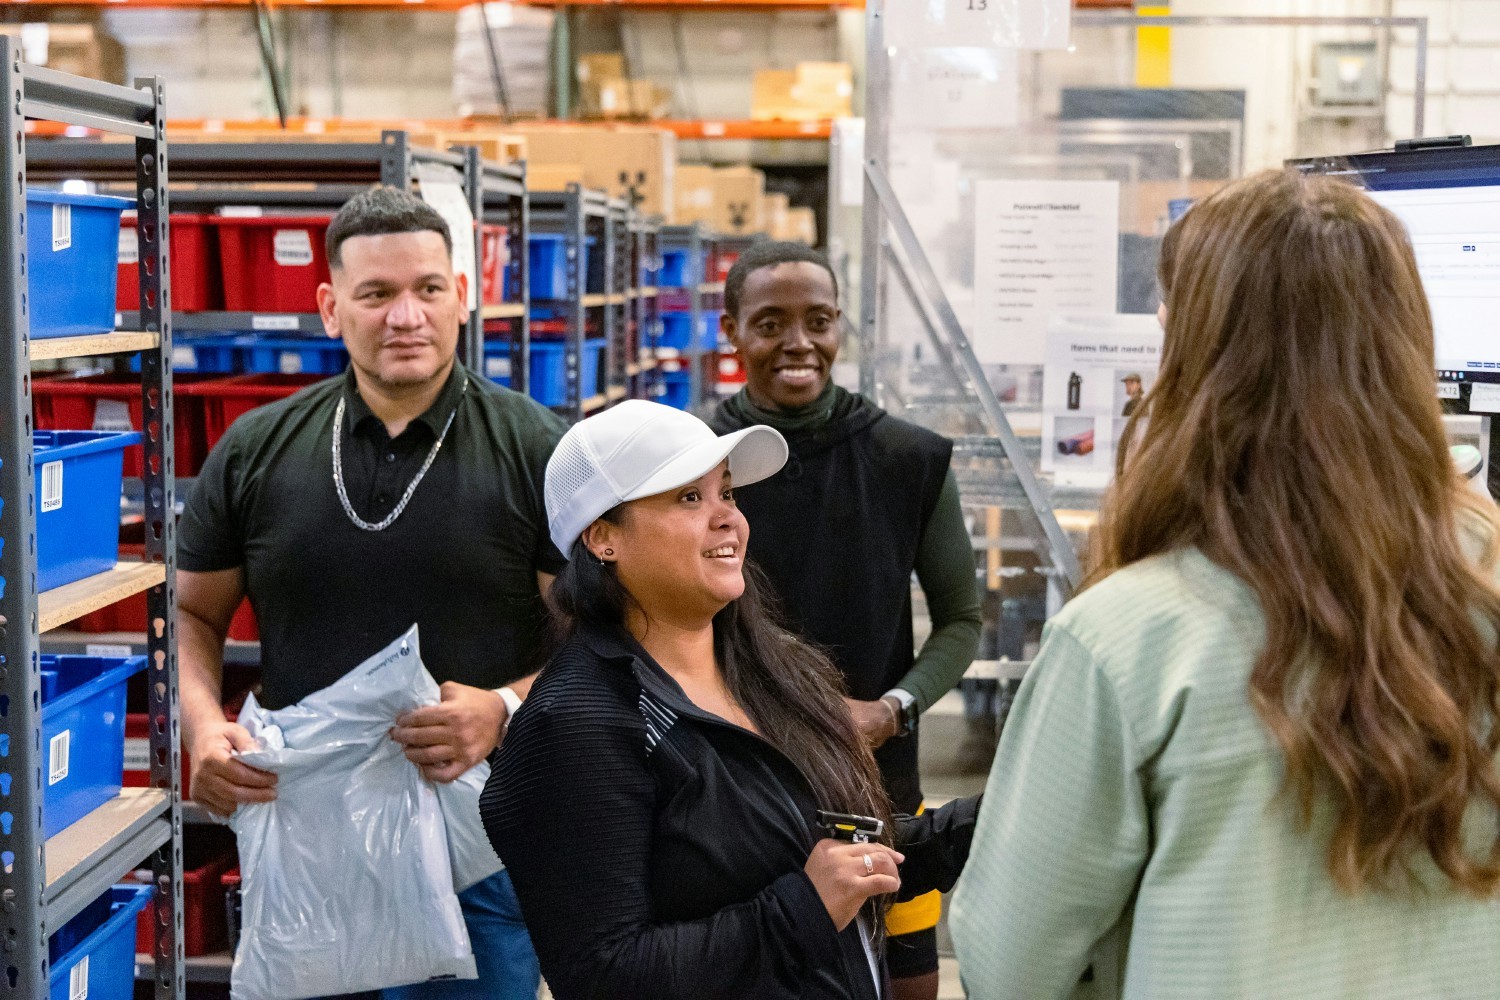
(905, 704)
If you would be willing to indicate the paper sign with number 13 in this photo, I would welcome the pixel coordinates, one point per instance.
(1013, 24)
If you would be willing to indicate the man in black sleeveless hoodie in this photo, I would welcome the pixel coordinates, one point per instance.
(865, 500)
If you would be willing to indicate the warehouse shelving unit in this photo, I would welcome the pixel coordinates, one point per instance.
(577, 214)
(497, 195)
(45, 883)
(644, 372)
(696, 296)
(232, 174)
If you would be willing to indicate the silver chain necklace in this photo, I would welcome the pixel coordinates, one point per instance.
(338, 467)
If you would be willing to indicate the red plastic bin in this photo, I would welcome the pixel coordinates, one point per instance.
(207, 854)
(129, 614)
(272, 263)
(493, 261)
(225, 400)
(197, 283)
(110, 402)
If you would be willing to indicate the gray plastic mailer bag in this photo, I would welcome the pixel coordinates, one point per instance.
(346, 878)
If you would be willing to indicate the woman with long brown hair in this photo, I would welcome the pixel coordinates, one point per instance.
(1257, 757)
(656, 799)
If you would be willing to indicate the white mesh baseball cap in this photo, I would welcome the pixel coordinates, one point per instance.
(639, 449)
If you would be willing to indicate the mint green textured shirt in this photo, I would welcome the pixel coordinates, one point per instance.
(1130, 826)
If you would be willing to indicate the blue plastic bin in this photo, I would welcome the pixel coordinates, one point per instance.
(679, 388)
(548, 383)
(674, 269)
(292, 356)
(547, 258)
(675, 327)
(78, 502)
(83, 734)
(73, 258)
(93, 954)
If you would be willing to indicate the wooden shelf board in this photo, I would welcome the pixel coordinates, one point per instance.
(93, 345)
(590, 301)
(63, 604)
(506, 310)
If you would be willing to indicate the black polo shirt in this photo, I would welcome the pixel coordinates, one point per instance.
(461, 560)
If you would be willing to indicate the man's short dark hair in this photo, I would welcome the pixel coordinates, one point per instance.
(379, 211)
(769, 254)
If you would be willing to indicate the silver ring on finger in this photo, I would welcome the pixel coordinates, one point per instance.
(869, 865)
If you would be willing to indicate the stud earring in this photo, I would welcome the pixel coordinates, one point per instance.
(609, 552)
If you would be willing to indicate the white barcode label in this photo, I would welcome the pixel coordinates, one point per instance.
(78, 980)
(62, 227)
(497, 367)
(184, 357)
(292, 247)
(273, 322)
(130, 247)
(105, 649)
(52, 486)
(291, 362)
(112, 415)
(58, 752)
(137, 753)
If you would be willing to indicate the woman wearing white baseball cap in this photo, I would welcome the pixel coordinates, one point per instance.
(656, 799)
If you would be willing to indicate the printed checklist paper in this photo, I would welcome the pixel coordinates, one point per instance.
(1042, 249)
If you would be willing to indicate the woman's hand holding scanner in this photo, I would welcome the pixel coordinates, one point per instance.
(848, 868)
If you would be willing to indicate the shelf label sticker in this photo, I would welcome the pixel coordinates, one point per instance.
(497, 367)
(59, 750)
(290, 363)
(1447, 390)
(1484, 397)
(292, 248)
(106, 649)
(240, 211)
(112, 415)
(78, 980)
(62, 227)
(130, 246)
(137, 752)
(184, 357)
(274, 323)
(52, 486)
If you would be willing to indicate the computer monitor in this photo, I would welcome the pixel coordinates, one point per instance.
(1449, 199)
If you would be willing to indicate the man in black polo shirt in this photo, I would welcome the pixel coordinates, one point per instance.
(406, 490)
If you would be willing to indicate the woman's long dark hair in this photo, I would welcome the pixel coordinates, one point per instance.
(793, 693)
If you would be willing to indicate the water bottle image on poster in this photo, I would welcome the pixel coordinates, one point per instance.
(1098, 369)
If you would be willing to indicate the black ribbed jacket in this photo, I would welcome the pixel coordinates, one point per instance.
(657, 850)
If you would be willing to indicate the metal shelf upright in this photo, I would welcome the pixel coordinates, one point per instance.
(645, 306)
(578, 214)
(44, 883)
(617, 286)
(498, 195)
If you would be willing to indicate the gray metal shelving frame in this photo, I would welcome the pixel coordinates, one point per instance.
(498, 195)
(645, 305)
(701, 295)
(44, 883)
(577, 213)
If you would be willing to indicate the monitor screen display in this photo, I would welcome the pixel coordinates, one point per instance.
(1449, 200)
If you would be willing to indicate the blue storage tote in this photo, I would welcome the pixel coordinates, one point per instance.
(678, 389)
(292, 356)
(73, 260)
(548, 382)
(78, 502)
(547, 259)
(93, 955)
(674, 269)
(675, 327)
(83, 734)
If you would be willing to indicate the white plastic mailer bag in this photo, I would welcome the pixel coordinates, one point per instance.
(346, 879)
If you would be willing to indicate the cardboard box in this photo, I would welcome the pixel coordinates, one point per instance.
(553, 176)
(79, 49)
(614, 158)
(777, 206)
(814, 91)
(739, 200)
(693, 199)
(802, 226)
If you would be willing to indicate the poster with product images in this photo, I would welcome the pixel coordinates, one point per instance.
(1098, 369)
(1041, 249)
